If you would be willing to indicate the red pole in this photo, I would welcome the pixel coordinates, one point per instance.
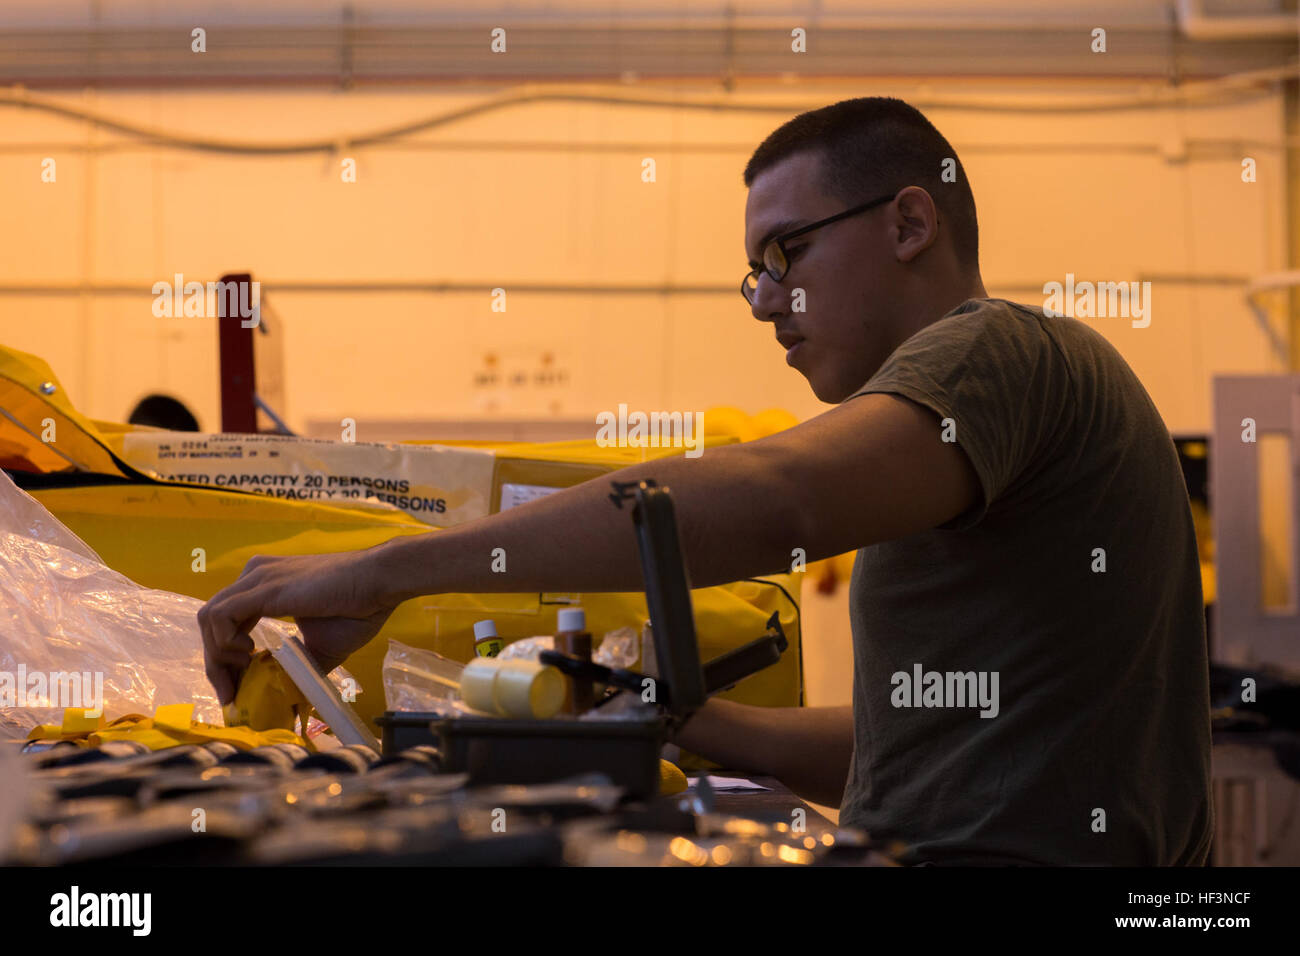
(235, 347)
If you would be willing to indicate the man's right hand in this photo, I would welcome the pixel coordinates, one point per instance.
(339, 602)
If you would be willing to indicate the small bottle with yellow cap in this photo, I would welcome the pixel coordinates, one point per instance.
(486, 642)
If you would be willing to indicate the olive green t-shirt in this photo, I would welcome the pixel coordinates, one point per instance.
(1031, 682)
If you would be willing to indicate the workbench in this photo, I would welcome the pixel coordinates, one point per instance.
(179, 807)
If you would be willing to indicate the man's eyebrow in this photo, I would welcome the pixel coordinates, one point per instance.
(784, 225)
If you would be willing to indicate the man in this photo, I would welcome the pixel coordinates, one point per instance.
(1030, 678)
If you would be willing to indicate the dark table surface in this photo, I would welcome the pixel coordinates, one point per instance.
(775, 805)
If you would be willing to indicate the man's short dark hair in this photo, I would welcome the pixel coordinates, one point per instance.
(874, 144)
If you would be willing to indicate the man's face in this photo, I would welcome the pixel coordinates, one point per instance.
(850, 319)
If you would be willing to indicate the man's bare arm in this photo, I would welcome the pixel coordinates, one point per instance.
(806, 748)
(870, 470)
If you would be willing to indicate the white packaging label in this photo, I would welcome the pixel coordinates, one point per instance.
(438, 484)
(513, 495)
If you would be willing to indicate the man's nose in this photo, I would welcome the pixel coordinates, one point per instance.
(770, 299)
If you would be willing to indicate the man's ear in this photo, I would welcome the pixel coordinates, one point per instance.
(916, 221)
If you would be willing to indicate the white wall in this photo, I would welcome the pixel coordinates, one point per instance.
(551, 193)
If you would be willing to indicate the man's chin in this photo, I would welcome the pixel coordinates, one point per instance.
(830, 385)
(830, 392)
(826, 392)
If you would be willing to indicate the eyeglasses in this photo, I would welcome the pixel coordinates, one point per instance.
(776, 261)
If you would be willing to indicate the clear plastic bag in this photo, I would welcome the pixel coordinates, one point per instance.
(63, 612)
(420, 680)
(619, 649)
(527, 648)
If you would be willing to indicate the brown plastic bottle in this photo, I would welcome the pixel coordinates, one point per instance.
(571, 638)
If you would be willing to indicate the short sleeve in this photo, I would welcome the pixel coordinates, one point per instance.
(991, 373)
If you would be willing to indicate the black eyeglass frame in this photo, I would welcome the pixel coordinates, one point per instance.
(778, 242)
